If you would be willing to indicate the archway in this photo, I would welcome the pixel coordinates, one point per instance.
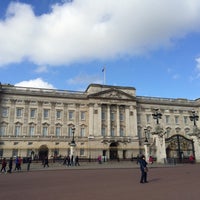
(179, 148)
(113, 151)
(43, 152)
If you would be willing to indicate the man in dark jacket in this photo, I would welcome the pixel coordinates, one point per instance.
(143, 168)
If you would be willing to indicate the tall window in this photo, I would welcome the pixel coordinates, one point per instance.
(46, 113)
(17, 130)
(19, 112)
(121, 131)
(112, 116)
(112, 132)
(4, 112)
(58, 131)
(103, 115)
(185, 118)
(71, 115)
(32, 130)
(58, 114)
(82, 134)
(148, 117)
(176, 119)
(2, 130)
(103, 131)
(32, 113)
(82, 115)
(44, 131)
(167, 119)
(121, 117)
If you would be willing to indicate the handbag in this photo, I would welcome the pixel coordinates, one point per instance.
(146, 169)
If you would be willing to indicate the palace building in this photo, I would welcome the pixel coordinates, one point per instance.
(105, 120)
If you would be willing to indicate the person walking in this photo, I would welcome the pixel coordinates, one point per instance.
(10, 164)
(77, 161)
(3, 165)
(46, 162)
(29, 160)
(143, 169)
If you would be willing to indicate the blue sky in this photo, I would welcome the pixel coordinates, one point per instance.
(63, 44)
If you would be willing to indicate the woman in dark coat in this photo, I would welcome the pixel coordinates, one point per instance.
(143, 168)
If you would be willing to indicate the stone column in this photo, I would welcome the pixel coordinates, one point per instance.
(108, 120)
(118, 122)
(127, 118)
(91, 119)
(146, 150)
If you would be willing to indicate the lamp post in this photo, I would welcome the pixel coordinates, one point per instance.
(157, 115)
(146, 144)
(194, 117)
(72, 143)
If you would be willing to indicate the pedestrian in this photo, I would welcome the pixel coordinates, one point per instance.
(29, 160)
(16, 163)
(10, 164)
(99, 159)
(150, 159)
(20, 164)
(144, 169)
(46, 162)
(68, 161)
(3, 165)
(77, 161)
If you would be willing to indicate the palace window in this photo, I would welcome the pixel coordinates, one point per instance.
(32, 130)
(121, 117)
(32, 113)
(71, 115)
(2, 130)
(44, 131)
(112, 132)
(103, 115)
(46, 113)
(82, 115)
(176, 119)
(185, 118)
(58, 114)
(58, 131)
(82, 132)
(121, 132)
(148, 117)
(167, 119)
(4, 112)
(17, 130)
(103, 131)
(19, 112)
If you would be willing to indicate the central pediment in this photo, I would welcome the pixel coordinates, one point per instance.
(112, 94)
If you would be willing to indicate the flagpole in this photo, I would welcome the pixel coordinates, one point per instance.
(104, 75)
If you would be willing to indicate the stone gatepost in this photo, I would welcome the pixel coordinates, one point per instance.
(195, 136)
(159, 139)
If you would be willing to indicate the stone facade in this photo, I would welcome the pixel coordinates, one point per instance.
(108, 120)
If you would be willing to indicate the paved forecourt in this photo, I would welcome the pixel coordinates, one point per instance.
(172, 182)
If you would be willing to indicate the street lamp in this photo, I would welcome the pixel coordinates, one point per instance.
(157, 115)
(145, 131)
(73, 141)
(194, 117)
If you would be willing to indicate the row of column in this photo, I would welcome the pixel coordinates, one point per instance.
(95, 120)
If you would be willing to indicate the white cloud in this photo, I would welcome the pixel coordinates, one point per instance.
(35, 83)
(92, 29)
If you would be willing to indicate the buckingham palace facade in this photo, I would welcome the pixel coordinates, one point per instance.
(110, 121)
